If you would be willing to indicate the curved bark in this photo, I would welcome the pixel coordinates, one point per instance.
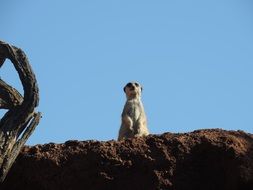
(9, 97)
(21, 119)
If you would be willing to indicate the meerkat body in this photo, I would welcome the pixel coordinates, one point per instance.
(134, 122)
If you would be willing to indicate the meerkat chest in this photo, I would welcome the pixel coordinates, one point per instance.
(134, 109)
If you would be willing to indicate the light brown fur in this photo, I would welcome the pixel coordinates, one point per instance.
(133, 117)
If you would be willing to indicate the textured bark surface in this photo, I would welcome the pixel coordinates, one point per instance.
(205, 159)
(21, 119)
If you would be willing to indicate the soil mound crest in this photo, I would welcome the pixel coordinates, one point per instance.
(203, 159)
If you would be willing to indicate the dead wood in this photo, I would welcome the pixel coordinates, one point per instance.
(20, 120)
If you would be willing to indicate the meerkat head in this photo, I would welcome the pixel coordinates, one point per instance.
(133, 90)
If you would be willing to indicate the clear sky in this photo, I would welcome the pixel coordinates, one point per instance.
(193, 58)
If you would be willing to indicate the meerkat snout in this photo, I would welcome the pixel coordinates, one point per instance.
(134, 122)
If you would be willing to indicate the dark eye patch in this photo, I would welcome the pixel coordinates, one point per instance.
(136, 84)
(129, 85)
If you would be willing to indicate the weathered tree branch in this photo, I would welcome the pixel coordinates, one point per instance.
(20, 120)
(9, 97)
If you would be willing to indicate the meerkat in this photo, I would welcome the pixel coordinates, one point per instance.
(133, 117)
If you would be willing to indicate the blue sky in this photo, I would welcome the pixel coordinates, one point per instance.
(193, 58)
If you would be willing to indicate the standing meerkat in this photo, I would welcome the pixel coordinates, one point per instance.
(133, 117)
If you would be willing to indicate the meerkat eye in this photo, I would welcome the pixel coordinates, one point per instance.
(129, 85)
(136, 84)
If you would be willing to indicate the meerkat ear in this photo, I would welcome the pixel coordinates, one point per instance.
(124, 89)
(141, 89)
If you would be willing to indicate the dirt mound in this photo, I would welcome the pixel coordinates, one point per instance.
(204, 159)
